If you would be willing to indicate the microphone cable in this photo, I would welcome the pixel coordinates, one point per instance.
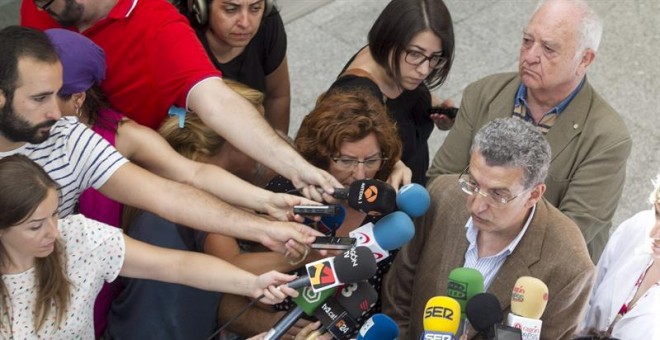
(241, 312)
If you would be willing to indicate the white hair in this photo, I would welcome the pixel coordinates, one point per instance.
(589, 28)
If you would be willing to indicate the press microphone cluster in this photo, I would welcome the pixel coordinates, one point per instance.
(413, 199)
(528, 301)
(463, 284)
(306, 302)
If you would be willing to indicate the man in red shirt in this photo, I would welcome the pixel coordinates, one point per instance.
(154, 61)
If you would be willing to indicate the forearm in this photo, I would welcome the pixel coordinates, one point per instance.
(230, 188)
(182, 204)
(229, 114)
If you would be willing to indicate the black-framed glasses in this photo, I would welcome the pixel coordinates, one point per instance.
(45, 6)
(347, 163)
(417, 58)
(493, 197)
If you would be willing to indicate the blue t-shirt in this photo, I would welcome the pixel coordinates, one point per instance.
(147, 309)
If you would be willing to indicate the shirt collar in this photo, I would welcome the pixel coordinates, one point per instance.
(521, 98)
(472, 232)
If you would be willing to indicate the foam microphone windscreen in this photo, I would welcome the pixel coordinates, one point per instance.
(308, 300)
(442, 314)
(529, 297)
(355, 264)
(378, 327)
(463, 284)
(483, 311)
(372, 196)
(357, 298)
(394, 230)
(413, 199)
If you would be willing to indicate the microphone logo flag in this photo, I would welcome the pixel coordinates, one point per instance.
(322, 275)
(371, 194)
(310, 295)
(457, 290)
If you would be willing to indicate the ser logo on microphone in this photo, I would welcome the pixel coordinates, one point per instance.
(439, 312)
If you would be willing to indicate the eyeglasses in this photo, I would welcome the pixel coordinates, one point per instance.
(346, 163)
(493, 197)
(416, 58)
(45, 6)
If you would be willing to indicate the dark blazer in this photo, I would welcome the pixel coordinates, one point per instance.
(551, 250)
(590, 146)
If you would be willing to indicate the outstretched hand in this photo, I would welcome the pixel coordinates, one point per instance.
(281, 236)
(280, 206)
(400, 176)
(441, 121)
(310, 178)
(272, 286)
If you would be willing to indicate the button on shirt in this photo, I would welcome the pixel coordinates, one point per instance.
(489, 266)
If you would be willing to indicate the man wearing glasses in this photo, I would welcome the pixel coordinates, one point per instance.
(589, 140)
(493, 218)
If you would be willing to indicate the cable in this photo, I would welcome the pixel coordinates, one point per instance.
(241, 312)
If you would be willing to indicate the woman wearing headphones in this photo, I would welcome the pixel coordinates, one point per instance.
(245, 39)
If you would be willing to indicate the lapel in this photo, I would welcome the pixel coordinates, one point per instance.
(571, 121)
(502, 105)
(525, 255)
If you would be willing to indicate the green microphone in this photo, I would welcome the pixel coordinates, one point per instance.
(464, 283)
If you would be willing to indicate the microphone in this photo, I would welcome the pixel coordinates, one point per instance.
(355, 264)
(339, 315)
(413, 199)
(370, 196)
(329, 224)
(389, 233)
(306, 302)
(485, 314)
(528, 301)
(463, 284)
(378, 327)
(441, 318)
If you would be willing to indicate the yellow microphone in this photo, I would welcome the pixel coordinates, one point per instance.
(442, 316)
(528, 301)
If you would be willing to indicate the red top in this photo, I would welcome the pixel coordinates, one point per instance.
(152, 53)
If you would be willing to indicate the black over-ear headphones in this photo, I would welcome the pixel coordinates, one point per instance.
(199, 10)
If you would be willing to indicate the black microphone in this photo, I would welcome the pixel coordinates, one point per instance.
(484, 313)
(353, 265)
(339, 315)
(370, 196)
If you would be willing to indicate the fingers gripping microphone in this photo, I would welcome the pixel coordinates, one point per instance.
(463, 284)
(485, 314)
(441, 318)
(370, 196)
(339, 315)
(389, 233)
(306, 302)
(413, 199)
(353, 265)
(528, 301)
(378, 327)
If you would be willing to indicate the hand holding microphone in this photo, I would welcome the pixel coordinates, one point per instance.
(528, 301)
